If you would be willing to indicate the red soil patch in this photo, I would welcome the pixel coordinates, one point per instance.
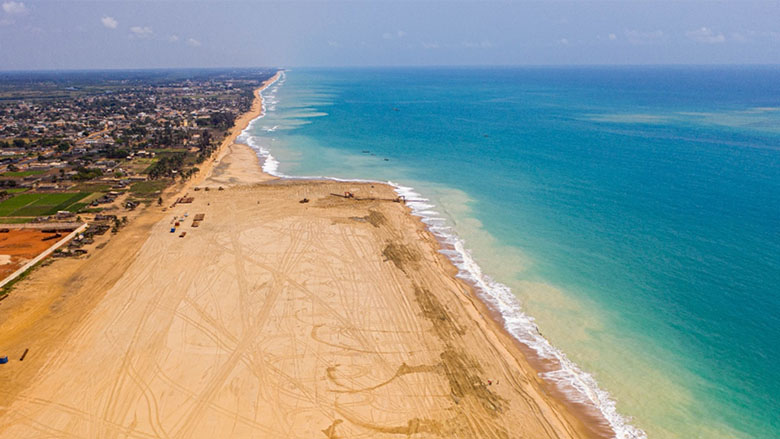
(21, 245)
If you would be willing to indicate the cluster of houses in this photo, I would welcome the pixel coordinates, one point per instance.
(110, 135)
(45, 141)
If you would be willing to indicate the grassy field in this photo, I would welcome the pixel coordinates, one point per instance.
(168, 151)
(92, 187)
(149, 167)
(40, 204)
(22, 173)
(16, 219)
(138, 165)
(149, 188)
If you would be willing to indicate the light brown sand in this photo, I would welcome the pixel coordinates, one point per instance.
(335, 318)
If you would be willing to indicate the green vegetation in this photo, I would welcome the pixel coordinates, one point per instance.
(22, 173)
(16, 219)
(40, 204)
(90, 198)
(148, 188)
(168, 151)
(87, 173)
(166, 166)
(9, 206)
(221, 120)
(77, 207)
(90, 209)
(151, 166)
(92, 187)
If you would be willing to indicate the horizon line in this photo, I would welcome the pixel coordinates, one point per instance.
(378, 66)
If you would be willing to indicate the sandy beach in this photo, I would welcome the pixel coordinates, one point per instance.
(335, 318)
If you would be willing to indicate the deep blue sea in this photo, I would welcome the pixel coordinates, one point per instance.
(634, 213)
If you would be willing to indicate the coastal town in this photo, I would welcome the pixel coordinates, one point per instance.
(80, 149)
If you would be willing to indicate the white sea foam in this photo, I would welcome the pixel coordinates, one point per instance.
(578, 385)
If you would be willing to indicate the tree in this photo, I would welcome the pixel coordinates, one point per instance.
(19, 143)
(159, 201)
(83, 173)
(117, 153)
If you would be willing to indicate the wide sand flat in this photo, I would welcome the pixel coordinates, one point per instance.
(336, 318)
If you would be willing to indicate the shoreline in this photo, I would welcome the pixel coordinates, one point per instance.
(571, 385)
(436, 309)
(256, 111)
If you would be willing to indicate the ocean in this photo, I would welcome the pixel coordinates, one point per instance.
(624, 220)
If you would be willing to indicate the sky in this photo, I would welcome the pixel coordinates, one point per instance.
(108, 34)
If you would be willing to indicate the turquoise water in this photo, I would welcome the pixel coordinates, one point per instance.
(633, 212)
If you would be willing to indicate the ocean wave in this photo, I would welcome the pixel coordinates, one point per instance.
(578, 385)
(270, 164)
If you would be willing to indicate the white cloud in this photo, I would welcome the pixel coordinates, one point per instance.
(14, 7)
(612, 37)
(564, 41)
(705, 35)
(753, 36)
(173, 38)
(109, 22)
(644, 37)
(141, 31)
(433, 45)
(334, 44)
(192, 42)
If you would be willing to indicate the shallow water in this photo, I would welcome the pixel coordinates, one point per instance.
(633, 212)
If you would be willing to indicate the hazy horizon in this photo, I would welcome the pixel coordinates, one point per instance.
(118, 35)
(385, 67)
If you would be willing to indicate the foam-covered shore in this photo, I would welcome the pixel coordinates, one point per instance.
(577, 385)
(574, 384)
